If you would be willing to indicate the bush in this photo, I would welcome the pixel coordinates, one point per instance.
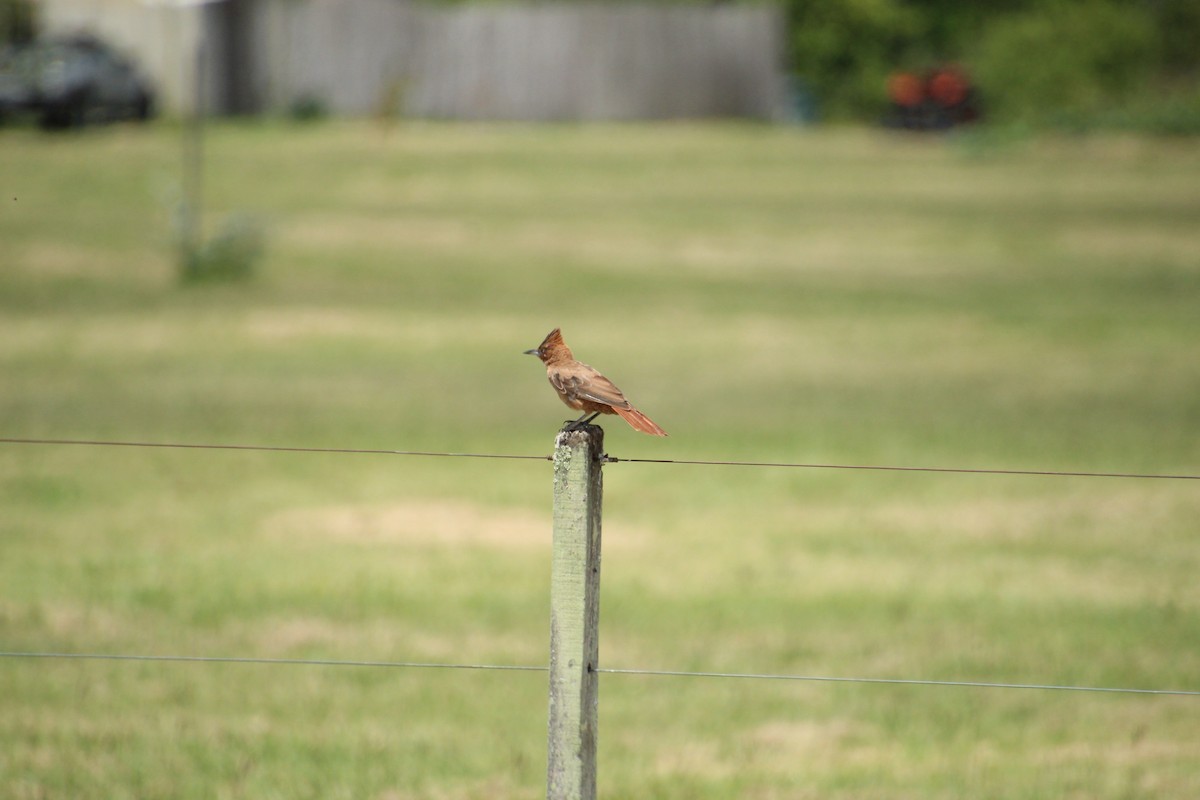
(1163, 113)
(231, 255)
(844, 50)
(17, 21)
(1179, 31)
(1065, 61)
(308, 108)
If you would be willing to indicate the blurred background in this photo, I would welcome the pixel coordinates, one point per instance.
(1072, 63)
(916, 234)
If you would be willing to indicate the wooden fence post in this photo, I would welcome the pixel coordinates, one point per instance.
(575, 614)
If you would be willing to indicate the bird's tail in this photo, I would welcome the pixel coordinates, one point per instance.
(639, 421)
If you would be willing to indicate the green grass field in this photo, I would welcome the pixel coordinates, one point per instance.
(765, 294)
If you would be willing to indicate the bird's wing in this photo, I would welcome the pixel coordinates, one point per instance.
(588, 384)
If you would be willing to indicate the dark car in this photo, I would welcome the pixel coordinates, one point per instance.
(70, 82)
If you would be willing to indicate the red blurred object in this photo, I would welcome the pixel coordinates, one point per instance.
(941, 99)
(905, 89)
(948, 87)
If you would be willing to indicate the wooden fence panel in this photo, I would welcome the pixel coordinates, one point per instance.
(576, 61)
(595, 62)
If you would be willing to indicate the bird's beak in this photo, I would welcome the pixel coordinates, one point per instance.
(534, 352)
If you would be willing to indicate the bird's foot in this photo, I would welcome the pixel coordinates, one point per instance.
(578, 425)
(581, 422)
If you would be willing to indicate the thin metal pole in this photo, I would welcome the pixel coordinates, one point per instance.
(191, 234)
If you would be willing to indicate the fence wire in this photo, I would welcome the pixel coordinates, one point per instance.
(306, 662)
(660, 673)
(614, 460)
(604, 670)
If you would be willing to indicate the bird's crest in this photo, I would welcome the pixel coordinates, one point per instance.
(553, 347)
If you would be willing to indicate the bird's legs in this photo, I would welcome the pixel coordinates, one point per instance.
(584, 419)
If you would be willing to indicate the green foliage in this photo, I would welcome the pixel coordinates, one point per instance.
(1178, 25)
(1065, 60)
(17, 21)
(1173, 115)
(308, 107)
(231, 255)
(844, 49)
(1078, 63)
(1162, 114)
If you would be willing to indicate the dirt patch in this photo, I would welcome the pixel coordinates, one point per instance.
(695, 760)
(431, 523)
(419, 522)
(337, 232)
(792, 738)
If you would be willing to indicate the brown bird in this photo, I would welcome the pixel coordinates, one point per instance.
(584, 389)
